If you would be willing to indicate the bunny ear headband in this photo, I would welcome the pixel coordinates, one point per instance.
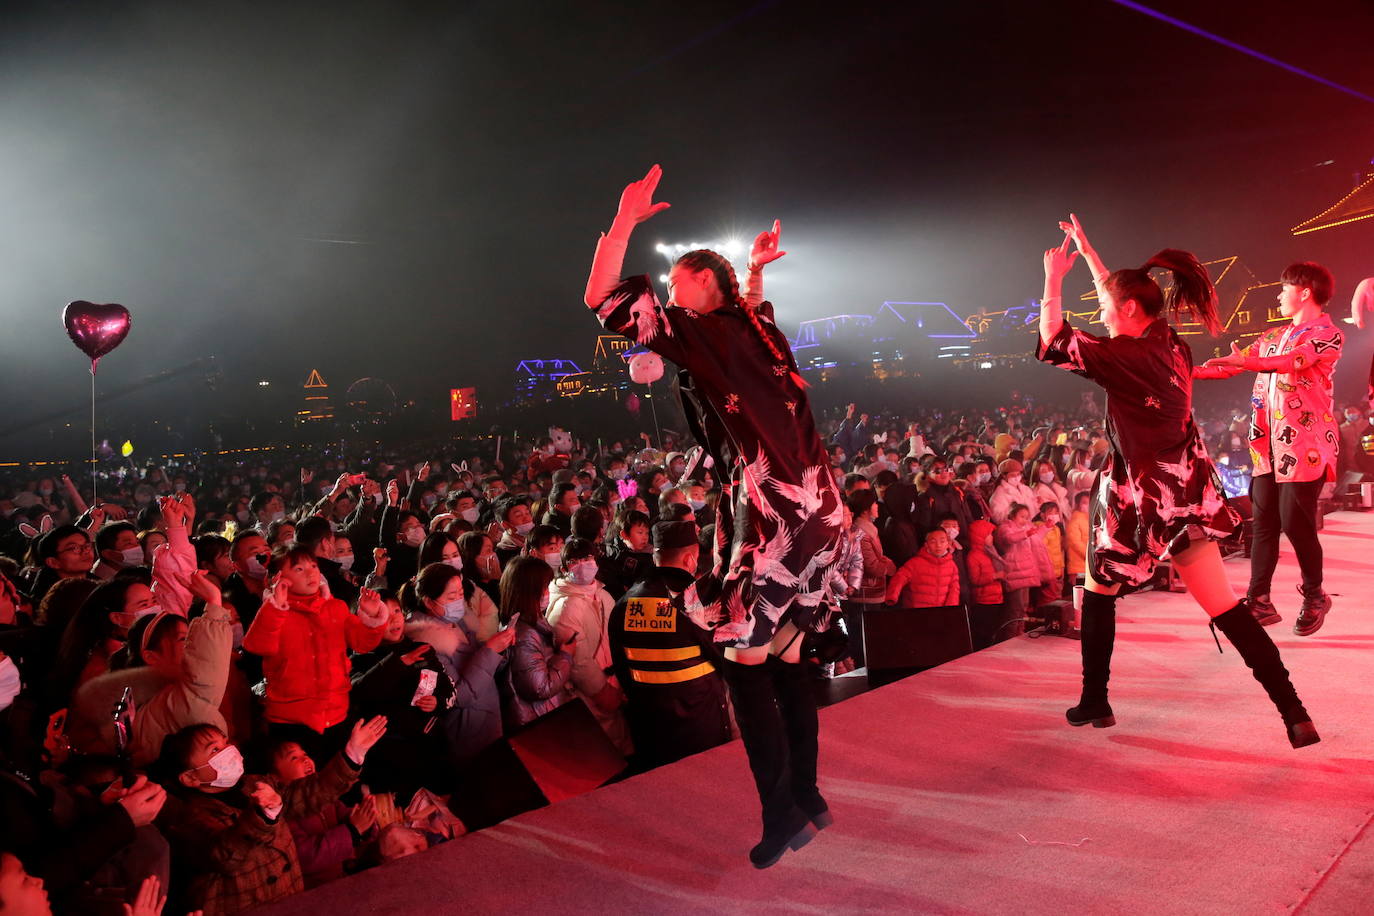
(31, 532)
(459, 468)
(627, 488)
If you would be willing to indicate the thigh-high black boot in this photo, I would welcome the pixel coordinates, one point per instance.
(1098, 631)
(1262, 657)
(798, 706)
(765, 741)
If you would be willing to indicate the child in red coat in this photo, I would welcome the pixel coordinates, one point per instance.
(986, 573)
(304, 636)
(929, 579)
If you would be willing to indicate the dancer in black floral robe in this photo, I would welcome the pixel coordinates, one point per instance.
(1160, 497)
(780, 518)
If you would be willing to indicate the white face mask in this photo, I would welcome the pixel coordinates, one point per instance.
(1047, 477)
(583, 572)
(131, 557)
(469, 515)
(952, 532)
(617, 473)
(345, 562)
(554, 559)
(697, 504)
(228, 767)
(255, 568)
(244, 516)
(524, 528)
(10, 683)
(414, 537)
(455, 562)
(982, 478)
(454, 610)
(271, 517)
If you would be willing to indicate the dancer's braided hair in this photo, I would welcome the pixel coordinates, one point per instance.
(706, 259)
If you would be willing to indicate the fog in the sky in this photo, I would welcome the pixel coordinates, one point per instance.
(412, 190)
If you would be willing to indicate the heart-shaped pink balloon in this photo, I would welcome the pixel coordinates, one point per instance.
(96, 328)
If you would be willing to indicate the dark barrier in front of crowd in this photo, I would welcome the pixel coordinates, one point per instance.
(902, 641)
(561, 754)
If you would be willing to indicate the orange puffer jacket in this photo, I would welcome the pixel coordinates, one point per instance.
(305, 658)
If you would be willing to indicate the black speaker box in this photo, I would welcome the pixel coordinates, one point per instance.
(896, 638)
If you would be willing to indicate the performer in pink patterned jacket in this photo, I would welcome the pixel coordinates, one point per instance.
(1293, 437)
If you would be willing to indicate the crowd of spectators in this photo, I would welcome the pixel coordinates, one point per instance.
(234, 677)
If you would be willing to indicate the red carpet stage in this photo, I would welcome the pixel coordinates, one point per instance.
(962, 790)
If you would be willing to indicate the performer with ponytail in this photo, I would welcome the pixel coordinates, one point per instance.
(1159, 497)
(779, 522)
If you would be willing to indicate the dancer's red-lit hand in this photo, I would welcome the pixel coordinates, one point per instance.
(765, 250)
(637, 200)
(1059, 261)
(1075, 231)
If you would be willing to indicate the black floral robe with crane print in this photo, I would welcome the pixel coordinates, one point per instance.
(1159, 489)
(778, 529)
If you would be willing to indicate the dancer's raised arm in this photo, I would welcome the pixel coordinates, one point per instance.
(765, 251)
(1080, 240)
(1058, 262)
(636, 205)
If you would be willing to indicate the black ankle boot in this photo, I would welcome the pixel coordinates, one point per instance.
(1262, 656)
(785, 826)
(1098, 632)
(798, 706)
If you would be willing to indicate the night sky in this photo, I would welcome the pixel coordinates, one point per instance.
(413, 190)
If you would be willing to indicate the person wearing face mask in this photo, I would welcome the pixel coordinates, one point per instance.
(249, 554)
(117, 546)
(304, 635)
(666, 665)
(401, 533)
(1011, 489)
(266, 507)
(563, 502)
(480, 610)
(516, 524)
(315, 535)
(538, 678)
(579, 611)
(987, 572)
(1081, 477)
(1050, 519)
(1047, 487)
(929, 579)
(1027, 567)
(545, 542)
(230, 831)
(940, 497)
(437, 602)
(616, 469)
(96, 633)
(178, 674)
(404, 680)
(464, 505)
(480, 562)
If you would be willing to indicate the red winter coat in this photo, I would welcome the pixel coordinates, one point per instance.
(305, 658)
(983, 566)
(925, 581)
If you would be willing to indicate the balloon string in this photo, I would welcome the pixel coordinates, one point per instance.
(93, 496)
(654, 407)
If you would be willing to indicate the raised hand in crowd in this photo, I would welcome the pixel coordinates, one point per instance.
(307, 475)
(364, 735)
(203, 587)
(276, 594)
(371, 608)
(393, 492)
(765, 250)
(379, 561)
(150, 899)
(178, 510)
(417, 655)
(422, 471)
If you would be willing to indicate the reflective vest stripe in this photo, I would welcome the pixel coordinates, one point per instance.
(673, 677)
(662, 655)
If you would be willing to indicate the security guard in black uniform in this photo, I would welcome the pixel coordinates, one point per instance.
(667, 665)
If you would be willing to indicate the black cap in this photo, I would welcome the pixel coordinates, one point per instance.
(673, 535)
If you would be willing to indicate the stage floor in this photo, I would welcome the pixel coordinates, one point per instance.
(962, 790)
